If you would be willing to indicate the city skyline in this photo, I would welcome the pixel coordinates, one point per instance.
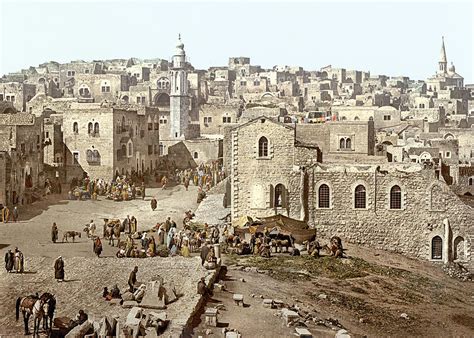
(387, 49)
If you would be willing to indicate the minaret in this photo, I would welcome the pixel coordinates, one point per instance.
(179, 101)
(443, 61)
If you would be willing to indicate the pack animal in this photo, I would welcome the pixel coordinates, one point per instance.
(71, 234)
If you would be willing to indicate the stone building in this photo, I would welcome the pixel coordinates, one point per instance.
(21, 156)
(18, 93)
(279, 169)
(401, 208)
(106, 141)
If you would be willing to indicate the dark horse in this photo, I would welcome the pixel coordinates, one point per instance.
(40, 308)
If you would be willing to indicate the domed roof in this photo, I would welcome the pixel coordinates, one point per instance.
(451, 68)
(179, 46)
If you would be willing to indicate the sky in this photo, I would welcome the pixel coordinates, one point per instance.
(383, 37)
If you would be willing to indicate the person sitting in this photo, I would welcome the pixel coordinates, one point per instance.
(80, 318)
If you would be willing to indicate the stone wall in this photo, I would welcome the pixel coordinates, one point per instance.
(425, 203)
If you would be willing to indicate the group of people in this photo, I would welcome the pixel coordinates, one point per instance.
(14, 261)
(5, 213)
(123, 188)
(204, 176)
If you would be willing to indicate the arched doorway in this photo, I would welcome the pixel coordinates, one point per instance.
(459, 248)
(162, 100)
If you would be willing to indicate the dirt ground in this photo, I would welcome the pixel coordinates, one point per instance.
(86, 275)
(366, 294)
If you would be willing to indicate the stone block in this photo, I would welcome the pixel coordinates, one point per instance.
(134, 316)
(268, 303)
(303, 332)
(80, 331)
(238, 299)
(211, 316)
(289, 315)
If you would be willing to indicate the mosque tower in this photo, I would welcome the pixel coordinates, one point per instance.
(443, 61)
(179, 100)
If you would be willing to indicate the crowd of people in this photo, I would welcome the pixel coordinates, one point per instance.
(122, 188)
(204, 176)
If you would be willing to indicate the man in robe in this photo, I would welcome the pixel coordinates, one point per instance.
(132, 279)
(54, 233)
(59, 269)
(19, 261)
(9, 257)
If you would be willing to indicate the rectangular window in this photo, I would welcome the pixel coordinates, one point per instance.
(75, 157)
(86, 71)
(387, 117)
(150, 126)
(448, 154)
(150, 149)
(256, 83)
(226, 119)
(143, 99)
(138, 99)
(47, 134)
(12, 98)
(243, 83)
(105, 89)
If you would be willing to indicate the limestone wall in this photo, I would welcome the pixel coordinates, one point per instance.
(426, 202)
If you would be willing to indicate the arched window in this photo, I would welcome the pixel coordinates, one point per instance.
(195, 155)
(342, 143)
(395, 197)
(436, 248)
(124, 150)
(279, 196)
(323, 196)
(360, 197)
(348, 143)
(263, 147)
(459, 248)
(96, 128)
(130, 149)
(90, 128)
(75, 128)
(471, 181)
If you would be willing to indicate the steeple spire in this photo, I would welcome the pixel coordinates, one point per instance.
(443, 61)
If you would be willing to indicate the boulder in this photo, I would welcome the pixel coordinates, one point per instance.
(134, 316)
(80, 331)
(342, 334)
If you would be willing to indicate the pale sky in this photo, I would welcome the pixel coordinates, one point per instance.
(391, 38)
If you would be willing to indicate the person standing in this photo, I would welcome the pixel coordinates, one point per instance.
(92, 228)
(133, 225)
(15, 214)
(126, 224)
(132, 279)
(59, 269)
(143, 190)
(54, 233)
(19, 261)
(153, 203)
(5, 214)
(204, 253)
(97, 246)
(9, 258)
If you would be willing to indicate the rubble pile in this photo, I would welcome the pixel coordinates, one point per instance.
(456, 270)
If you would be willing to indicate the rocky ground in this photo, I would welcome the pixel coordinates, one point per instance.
(371, 293)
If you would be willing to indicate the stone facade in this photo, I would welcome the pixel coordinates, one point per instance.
(21, 157)
(424, 203)
(109, 141)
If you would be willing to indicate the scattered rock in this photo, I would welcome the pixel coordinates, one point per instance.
(252, 295)
(342, 334)
(404, 315)
(261, 296)
(322, 296)
(208, 332)
(361, 320)
(242, 280)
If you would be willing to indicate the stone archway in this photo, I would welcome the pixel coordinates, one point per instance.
(162, 100)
